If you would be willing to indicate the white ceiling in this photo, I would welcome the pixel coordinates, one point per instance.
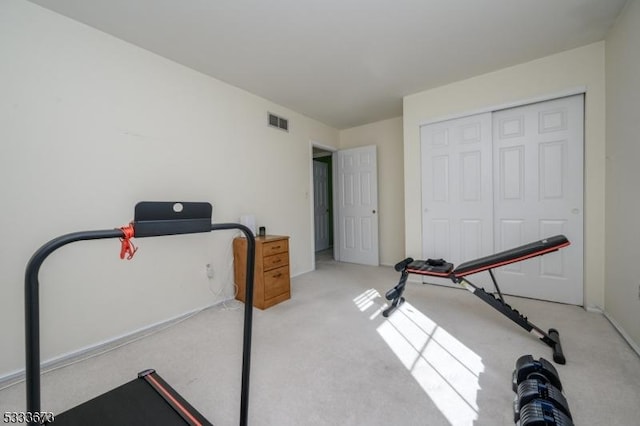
(346, 62)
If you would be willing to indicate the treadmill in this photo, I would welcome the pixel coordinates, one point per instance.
(147, 399)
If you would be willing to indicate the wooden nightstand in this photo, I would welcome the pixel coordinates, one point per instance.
(272, 283)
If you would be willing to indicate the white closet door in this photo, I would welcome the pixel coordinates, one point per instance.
(457, 190)
(498, 180)
(538, 174)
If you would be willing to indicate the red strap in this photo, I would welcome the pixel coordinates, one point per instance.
(127, 249)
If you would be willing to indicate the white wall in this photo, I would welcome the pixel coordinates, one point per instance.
(387, 136)
(582, 67)
(90, 125)
(622, 292)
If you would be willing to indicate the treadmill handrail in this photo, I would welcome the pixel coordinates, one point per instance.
(32, 310)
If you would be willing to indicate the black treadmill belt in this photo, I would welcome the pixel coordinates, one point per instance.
(134, 403)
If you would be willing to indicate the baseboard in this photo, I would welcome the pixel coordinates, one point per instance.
(623, 333)
(594, 308)
(301, 273)
(101, 347)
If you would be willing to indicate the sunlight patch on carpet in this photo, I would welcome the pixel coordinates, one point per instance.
(444, 367)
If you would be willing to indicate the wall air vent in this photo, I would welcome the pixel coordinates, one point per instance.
(278, 122)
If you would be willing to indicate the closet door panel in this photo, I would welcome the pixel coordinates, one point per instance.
(457, 190)
(538, 152)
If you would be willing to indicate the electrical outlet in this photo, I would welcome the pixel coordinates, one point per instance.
(209, 270)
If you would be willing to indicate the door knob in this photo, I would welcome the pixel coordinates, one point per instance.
(373, 211)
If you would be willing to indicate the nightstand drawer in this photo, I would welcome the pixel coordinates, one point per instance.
(274, 247)
(276, 282)
(275, 261)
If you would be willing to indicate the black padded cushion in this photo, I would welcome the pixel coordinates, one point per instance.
(513, 255)
(425, 267)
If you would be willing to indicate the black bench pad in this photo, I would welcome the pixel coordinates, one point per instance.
(517, 254)
(513, 255)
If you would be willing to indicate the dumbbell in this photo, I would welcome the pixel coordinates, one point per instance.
(533, 389)
(542, 413)
(529, 368)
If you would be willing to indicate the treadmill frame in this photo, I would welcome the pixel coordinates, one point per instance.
(151, 219)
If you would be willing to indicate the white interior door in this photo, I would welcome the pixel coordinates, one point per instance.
(538, 163)
(498, 180)
(357, 175)
(457, 190)
(321, 204)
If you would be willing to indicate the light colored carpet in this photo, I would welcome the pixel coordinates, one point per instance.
(328, 357)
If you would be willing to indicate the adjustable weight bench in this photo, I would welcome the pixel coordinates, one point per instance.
(442, 269)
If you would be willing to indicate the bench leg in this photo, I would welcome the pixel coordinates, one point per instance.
(395, 294)
(552, 339)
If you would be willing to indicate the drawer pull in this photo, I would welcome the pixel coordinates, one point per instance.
(276, 261)
(275, 247)
(278, 275)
